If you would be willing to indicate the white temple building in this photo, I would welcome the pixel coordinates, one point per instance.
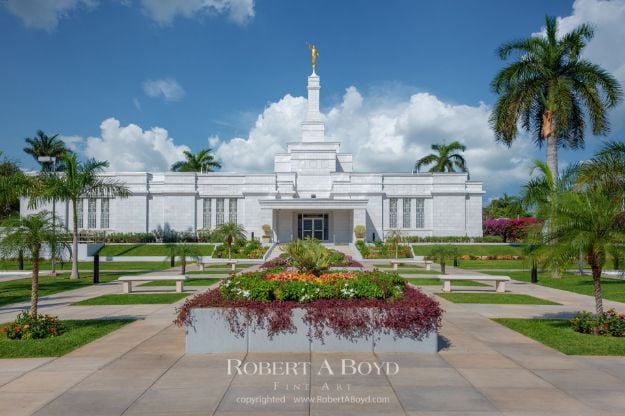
(313, 192)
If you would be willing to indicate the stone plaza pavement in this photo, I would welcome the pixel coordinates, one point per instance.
(482, 369)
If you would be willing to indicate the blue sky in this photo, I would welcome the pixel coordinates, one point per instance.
(122, 78)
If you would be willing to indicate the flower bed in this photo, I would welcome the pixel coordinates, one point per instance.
(295, 311)
(336, 260)
(383, 251)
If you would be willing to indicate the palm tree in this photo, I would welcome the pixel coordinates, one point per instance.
(28, 235)
(548, 89)
(44, 145)
(229, 232)
(184, 250)
(591, 221)
(447, 159)
(80, 179)
(203, 161)
(540, 193)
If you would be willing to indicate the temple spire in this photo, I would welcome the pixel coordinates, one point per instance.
(313, 128)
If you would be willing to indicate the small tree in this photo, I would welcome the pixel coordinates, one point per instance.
(229, 232)
(394, 238)
(29, 235)
(443, 254)
(184, 250)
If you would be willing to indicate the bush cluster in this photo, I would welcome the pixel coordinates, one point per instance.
(26, 326)
(302, 287)
(334, 258)
(241, 249)
(380, 250)
(454, 239)
(509, 229)
(610, 323)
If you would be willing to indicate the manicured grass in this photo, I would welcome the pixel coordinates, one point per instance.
(14, 291)
(225, 266)
(611, 289)
(77, 334)
(495, 298)
(432, 281)
(388, 265)
(558, 334)
(473, 249)
(416, 271)
(133, 299)
(224, 272)
(190, 282)
(149, 249)
(88, 265)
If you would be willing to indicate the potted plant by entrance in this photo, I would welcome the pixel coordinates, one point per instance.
(266, 230)
(359, 231)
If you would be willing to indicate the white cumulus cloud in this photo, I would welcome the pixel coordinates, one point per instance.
(164, 12)
(607, 48)
(168, 88)
(129, 148)
(385, 135)
(45, 14)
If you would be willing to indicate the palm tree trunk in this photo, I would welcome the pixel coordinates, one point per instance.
(34, 290)
(74, 274)
(184, 264)
(596, 278)
(552, 143)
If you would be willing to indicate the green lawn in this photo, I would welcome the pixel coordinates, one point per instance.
(433, 281)
(495, 298)
(612, 289)
(558, 334)
(77, 334)
(88, 265)
(189, 282)
(149, 249)
(416, 271)
(208, 272)
(19, 290)
(473, 249)
(388, 265)
(133, 299)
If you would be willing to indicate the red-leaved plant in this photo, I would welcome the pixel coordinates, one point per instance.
(414, 315)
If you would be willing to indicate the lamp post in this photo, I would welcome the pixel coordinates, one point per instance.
(52, 159)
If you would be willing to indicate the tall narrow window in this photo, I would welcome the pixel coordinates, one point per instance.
(91, 223)
(206, 213)
(232, 210)
(420, 218)
(219, 211)
(79, 213)
(104, 213)
(392, 205)
(407, 209)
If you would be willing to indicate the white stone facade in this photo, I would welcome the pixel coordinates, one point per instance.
(312, 192)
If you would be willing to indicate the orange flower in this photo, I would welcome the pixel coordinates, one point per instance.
(306, 277)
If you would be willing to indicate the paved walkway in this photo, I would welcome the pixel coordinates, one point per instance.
(482, 369)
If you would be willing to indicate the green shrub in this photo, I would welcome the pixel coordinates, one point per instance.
(369, 285)
(363, 248)
(610, 323)
(26, 326)
(309, 256)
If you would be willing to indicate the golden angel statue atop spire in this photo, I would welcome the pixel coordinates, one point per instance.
(314, 53)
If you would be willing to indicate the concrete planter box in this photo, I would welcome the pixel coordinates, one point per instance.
(210, 333)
